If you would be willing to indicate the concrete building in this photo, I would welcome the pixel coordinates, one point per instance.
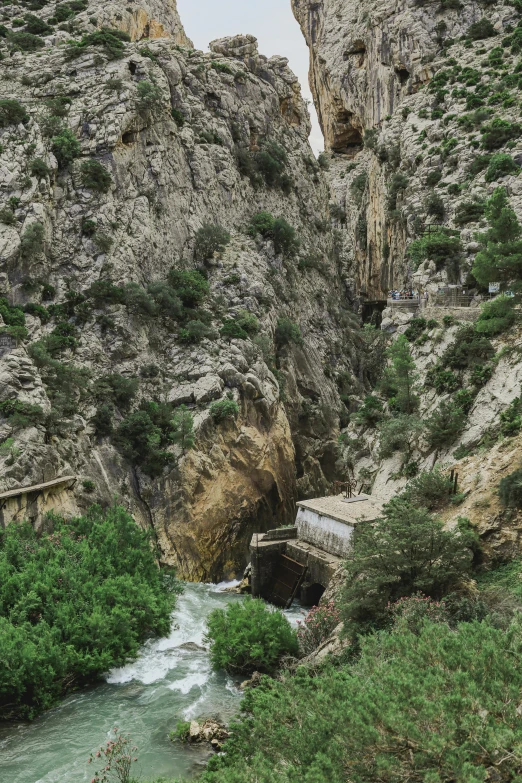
(299, 561)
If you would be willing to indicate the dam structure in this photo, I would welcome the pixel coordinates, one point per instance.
(299, 561)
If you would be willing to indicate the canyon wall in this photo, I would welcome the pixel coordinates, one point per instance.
(182, 137)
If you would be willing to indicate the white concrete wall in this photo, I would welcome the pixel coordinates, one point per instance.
(323, 532)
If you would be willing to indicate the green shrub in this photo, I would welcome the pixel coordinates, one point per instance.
(178, 117)
(94, 176)
(210, 239)
(284, 237)
(39, 310)
(479, 163)
(287, 332)
(183, 428)
(114, 85)
(481, 29)
(88, 485)
(249, 636)
(496, 316)
(12, 113)
(469, 212)
(501, 165)
(442, 380)
(498, 132)
(397, 183)
(26, 41)
(12, 315)
(261, 223)
(112, 41)
(194, 332)
(247, 321)
(405, 689)
(36, 26)
(39, 168)
(435, 206)
(74, 603)
(442, 248)
(150, 371)
(21, 414)
(221, 67)
(150, 96)
(399, 433)
(429, 489)
(232, 330)
(32, 242)
(190, 286)
(104, 291)
(415, 328)
(117, 389)
(433, 178)
(405, 551)
(358, 186)
(445, 425)
(271, 161)
(7, 216)
(220, 410)
(102, 421)
(65, 147)
(182, 731)
(323, 161)
(168, 302)
(59, 105)
(468, 350)
(510, 490)
(511, 418)
(138, 300)
(370, 412)
(142, 438)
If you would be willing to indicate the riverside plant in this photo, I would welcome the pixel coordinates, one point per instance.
(317, 627)
(117, 757)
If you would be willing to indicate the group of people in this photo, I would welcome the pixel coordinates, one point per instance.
(406, 293)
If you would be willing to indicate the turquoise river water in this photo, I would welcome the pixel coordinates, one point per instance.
(145, 699)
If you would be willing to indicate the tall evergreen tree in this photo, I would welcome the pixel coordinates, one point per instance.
(500, 259)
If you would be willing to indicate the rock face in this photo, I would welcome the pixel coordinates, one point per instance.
(179, 139)
(371, 67)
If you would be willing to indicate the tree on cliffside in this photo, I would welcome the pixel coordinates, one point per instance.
(500, 259)
(404, 552)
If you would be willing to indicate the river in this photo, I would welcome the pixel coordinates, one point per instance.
(145, 699)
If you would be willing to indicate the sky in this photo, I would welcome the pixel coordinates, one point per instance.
(271, 21)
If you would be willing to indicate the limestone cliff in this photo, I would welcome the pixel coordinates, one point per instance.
(174, 139)
(371, 71)
(419, 102)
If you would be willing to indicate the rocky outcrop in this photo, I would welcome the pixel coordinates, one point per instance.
(177, 133)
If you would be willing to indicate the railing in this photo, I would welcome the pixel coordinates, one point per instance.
(452, 300)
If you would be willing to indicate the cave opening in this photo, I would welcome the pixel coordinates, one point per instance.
(403, 74)
(346, 138)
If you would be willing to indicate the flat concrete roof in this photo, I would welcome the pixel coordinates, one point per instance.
(348, 510)
(12, 493)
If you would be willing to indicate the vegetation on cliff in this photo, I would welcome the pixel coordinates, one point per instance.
(75, 601)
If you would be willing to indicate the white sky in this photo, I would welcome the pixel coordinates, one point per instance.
(271, 21)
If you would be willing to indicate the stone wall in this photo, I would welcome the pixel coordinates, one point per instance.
(327, 534)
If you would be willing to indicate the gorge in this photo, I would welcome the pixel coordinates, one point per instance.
(203, 323)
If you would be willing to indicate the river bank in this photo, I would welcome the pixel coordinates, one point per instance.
(171, 680)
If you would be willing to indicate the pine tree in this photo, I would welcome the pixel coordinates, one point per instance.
(500, 259)
(183, 428)
(406, 551)
(404, 375)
